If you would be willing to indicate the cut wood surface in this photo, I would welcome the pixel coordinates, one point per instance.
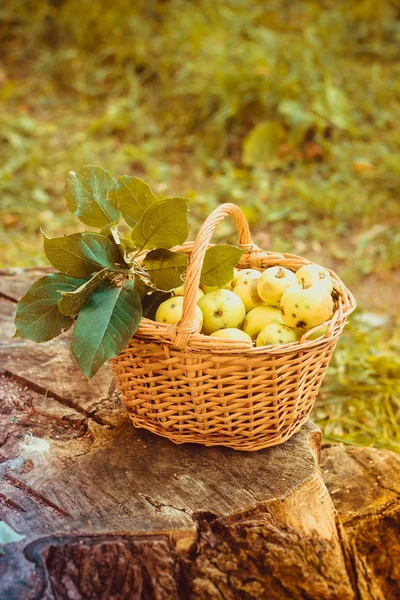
(111, 512)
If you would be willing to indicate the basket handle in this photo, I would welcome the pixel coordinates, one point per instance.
(180, 332)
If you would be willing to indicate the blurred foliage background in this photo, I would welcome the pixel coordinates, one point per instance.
(290, 109)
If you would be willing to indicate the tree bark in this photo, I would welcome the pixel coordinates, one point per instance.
(110, 512)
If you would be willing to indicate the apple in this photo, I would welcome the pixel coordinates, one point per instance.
(303, 307)
(232, 333)
(273, 282)
(317, 334)
(221, 309)
(247, 291)
(244, 275)
(314, 274)
(275, 333)
(258, 318)
(209, 288)
(180, 291)
(170, 311)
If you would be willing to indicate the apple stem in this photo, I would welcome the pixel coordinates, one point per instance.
(280, 273)
(303, 285)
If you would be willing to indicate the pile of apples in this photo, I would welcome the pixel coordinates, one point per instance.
(275, 306)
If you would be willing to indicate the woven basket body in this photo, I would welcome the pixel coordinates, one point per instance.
(189, 387)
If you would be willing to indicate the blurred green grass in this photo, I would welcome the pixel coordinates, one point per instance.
(289, 109)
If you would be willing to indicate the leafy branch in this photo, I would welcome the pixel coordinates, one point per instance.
(106, 281)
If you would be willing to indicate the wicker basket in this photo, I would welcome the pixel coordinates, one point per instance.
(190, 387)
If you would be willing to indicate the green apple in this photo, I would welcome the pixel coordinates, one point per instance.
(221, 309)
(314, 274)
(170, 311)
(258, 318)
(180, 291)
(276, 333)
(244, 275)
(247, 291)
(273, 282)
(303, 307)
(232, 333)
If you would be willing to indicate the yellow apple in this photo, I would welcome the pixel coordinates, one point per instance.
(244, 275)
(273, 282)
(180, 291)
(258, 318)
(276, 333)
(317, 334)
(247, 291)
(209, 288)
(314, 274)
(221, 309)
(170, 311)
(305, 307)
(232, 333)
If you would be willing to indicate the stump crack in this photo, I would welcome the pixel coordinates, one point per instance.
(35, 495)
(8, 503)
(35, 387)
(160, 505)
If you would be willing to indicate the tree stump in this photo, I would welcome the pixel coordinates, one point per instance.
(110, 512)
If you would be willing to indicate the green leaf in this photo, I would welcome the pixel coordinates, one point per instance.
(333, 105)
(105, 325)
(132, 196)
(165, 268)
(152, 301)
(141, 287)
(81, 254)
(125, 245)
(86, 196)
(111, 230)
(72, 302)
(297, 117)
(218, 264)
(163, 225)
(8, 535)
(38, 316)
(261, 146)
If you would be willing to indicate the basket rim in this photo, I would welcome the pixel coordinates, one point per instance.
(163, 333)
